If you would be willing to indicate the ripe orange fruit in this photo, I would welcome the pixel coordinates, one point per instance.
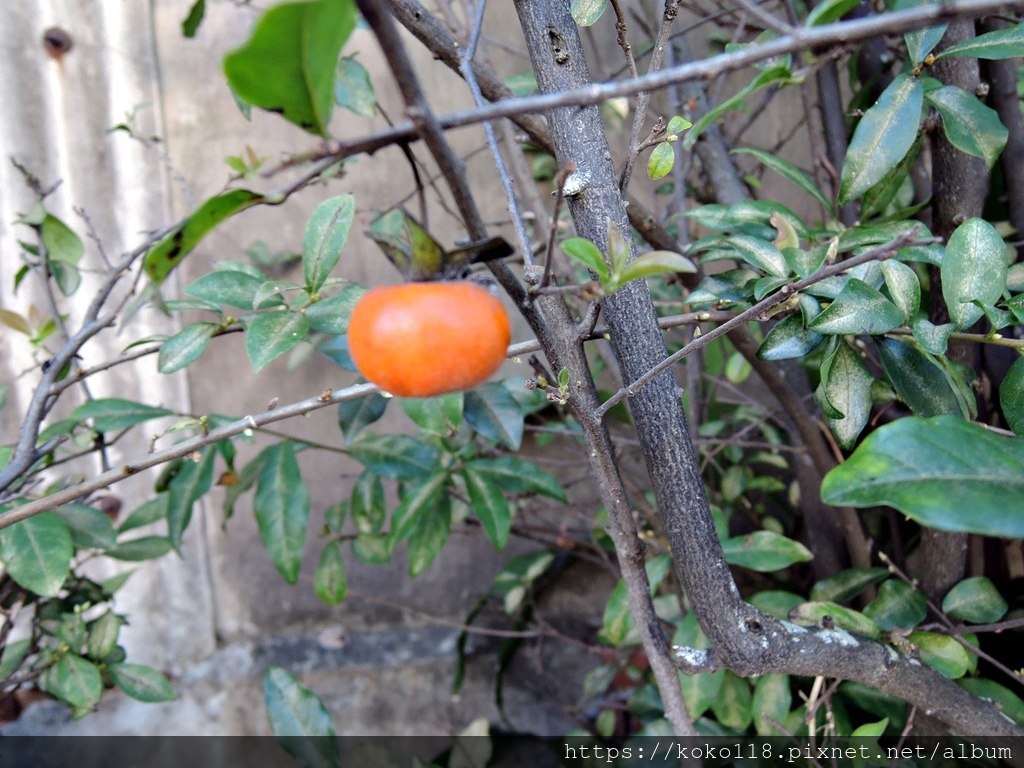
(425, 339)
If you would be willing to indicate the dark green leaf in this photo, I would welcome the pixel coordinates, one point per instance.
(142, 683)
(271, 334)
(974, 268)
(75, 681)
(969, 125)
(858, 309)
(774, 602)
(417, 502)
(975, 600)
(933, 338)
(190, 25)
(493, 412)
(898, 606)
(783, 167)
(764, 551)
(352, 88)
(883, 136)
(246, 480)
(90, 528)
(660, 163)
(847, 584)
(299, 720)
(281, 505)
(587, 254)
(788, 339)
(330, 583)
(358, 413)
(288, 65)
(111, 414)
(942, 653)
(395, 456)
(367, 503)
(904, 287)
(193, 481)
(185, 347)
(587, 12)
(1002, 44)
(174, 247)
(516, 475)
(228, 287)
(143, 548)
(331, 315)
(37, 552)
(325, 236)
(828, 11)
(918, 465)
(918, 380)
(1008, 702)
(440, 415)
(430, 534)
(848, 390)
(489, 505)
(1011, 396)
(877, 199)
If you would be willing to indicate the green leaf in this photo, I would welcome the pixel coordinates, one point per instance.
(193, 481)
(858, 309)
(439, 415)
(13, 655)
(1002, 44)
(37, 553)
(759, 253)
(587, 254)
(733, 707)
(660, 163)
(933, 338)
(1011, 396)
(847, 619)
(103, 636)
(847, 584)
(288, 65)
(677, 124)
(367, 503)
(974, 268)
(228, 287)
(352, 88)
(185, 347)
(168, 253)
(143, 548)
(942, 653)
(783, 167)
(142, 683)
(764, 551)
(357, 414)
(918, 465)
(618, 627)
(111, 414)
(489, 505)
(190, 25)
(281, 505)
(828, 11)
(877, 199)
(883, 136)
(848, 390)
(775, 602)
(918, 380)
(975, 600)
(655, 263)
(430, 533)
(325, 236)
(395, 456)
(771, 702)
(417, 502)
(516, 475)
(898, 606)
(90, 528)
(271, 334)
(61, 242)
(74, 680)
(372, 548)
(778, 74)
(871, 730)
(788, 339)
(299, 720)
(587, 12)
(330, 583)
(492, 411)
(904, 287)
(1008, 702)
(331, 315)
(969, 125)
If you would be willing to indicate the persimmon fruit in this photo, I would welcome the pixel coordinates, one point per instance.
(425, 339)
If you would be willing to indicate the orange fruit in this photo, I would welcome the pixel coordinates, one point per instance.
(425, 339)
